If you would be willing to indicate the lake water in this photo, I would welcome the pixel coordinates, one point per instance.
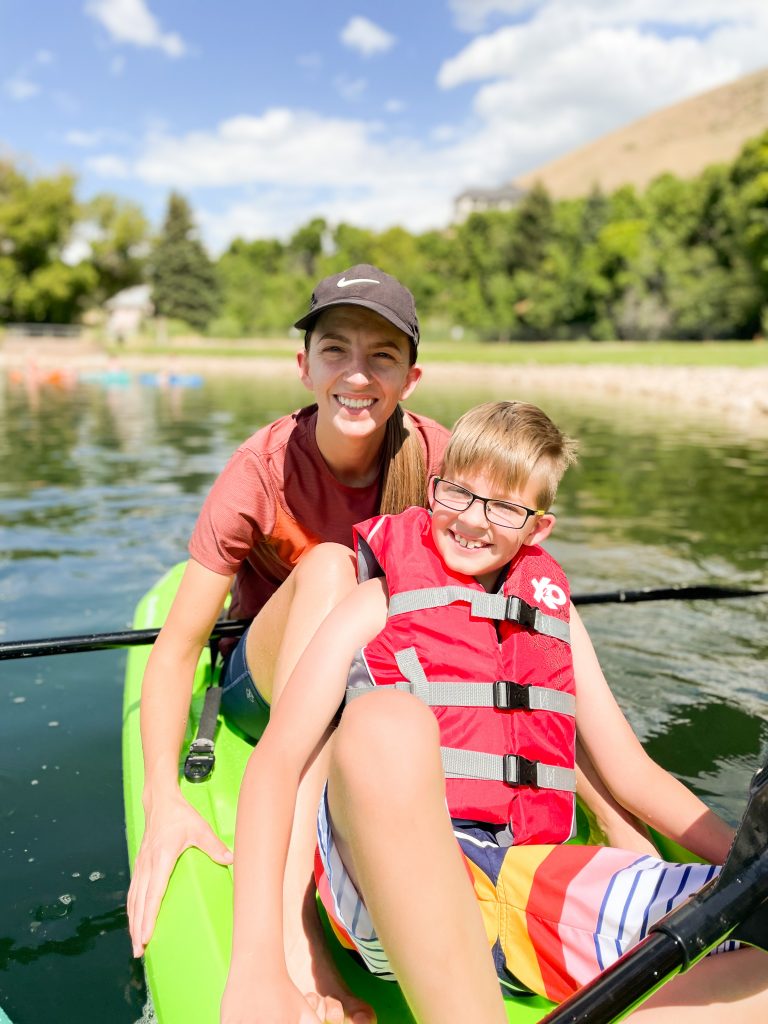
(100, 482)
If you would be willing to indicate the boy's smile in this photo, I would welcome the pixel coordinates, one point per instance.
(469, 543)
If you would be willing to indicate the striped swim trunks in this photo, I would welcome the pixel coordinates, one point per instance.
(555, 916)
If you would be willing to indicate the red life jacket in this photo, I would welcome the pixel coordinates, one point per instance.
(505, 700)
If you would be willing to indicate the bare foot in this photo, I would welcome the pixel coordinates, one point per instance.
(314, 973)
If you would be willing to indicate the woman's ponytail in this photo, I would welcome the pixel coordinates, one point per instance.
(403, 468)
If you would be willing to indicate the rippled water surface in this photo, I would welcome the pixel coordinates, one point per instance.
(100, 483)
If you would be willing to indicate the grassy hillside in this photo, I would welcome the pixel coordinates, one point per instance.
(684, 138)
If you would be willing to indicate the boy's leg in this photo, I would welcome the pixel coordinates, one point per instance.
(568, 912)
(386, 795)
(276, 639)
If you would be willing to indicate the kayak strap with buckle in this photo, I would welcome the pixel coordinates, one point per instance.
(201, 758)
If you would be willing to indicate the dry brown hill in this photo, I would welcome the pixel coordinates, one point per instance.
(684, 138)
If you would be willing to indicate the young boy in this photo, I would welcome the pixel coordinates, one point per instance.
(451, 779)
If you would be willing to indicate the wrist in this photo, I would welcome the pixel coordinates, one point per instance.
(156, 795)
(255, 971)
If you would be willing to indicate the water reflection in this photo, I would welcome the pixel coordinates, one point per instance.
(99, 488)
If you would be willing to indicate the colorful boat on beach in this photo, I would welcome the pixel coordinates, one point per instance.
(187, 959)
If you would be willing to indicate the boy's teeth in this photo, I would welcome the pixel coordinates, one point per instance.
(468, 543)
(355, 403)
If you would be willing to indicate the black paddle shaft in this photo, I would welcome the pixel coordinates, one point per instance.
(139, 637)
(699, 592)
(103, 641)
(733, 905)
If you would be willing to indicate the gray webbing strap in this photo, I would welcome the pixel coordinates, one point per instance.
(509, 768)
(483, 605)
(500, 694)
(475, 695)
(207, 727)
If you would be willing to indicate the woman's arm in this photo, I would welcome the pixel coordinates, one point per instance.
(298, 728)
(634, 779)
(171, 824)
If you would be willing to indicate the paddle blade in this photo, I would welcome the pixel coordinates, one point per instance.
(754, 931)
(751, 839)
(750, 847)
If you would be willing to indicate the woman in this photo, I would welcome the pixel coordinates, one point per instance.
(304, 479)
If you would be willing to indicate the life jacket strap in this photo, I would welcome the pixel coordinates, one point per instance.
(502, 694)
(512, 769)
(483, 605)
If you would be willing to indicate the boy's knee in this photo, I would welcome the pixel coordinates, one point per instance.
(383, 739)
(328, 565)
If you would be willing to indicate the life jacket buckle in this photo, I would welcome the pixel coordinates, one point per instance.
(520, 771)
(511, 696)
(521, 612)
(200, 760)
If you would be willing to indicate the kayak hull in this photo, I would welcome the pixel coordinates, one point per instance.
(187, 959)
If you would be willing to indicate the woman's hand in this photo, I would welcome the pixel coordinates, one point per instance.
(171, 827)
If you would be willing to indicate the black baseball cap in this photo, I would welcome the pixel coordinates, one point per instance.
(365, 285)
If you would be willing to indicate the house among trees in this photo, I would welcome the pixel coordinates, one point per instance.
(127, 310)
(480, 200)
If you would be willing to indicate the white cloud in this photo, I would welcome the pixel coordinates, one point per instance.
(394, 106)
(131, 21)
(367, 177)
(366, 37)
(281, 145)
(44, 57)
(21, 88)
(108, 166)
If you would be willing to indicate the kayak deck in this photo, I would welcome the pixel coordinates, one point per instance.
(187, 959)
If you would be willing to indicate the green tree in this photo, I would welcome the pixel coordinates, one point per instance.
(534, 224)
(118, 234)
(306, 246)
(183, 279)
(749, 205)
(261, 290)
(350, 245)
(37, 218)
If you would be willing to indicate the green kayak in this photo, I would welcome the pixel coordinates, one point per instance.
(187, 959)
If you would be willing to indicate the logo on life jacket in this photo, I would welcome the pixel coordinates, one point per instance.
(548, 593)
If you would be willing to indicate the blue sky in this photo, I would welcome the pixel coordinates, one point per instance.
(267, 113)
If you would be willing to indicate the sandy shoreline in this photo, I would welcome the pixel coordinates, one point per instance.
(732, 395)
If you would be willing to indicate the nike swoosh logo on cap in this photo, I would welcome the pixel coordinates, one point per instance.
(344, 283)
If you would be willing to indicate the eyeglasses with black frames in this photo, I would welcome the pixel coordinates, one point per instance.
(500, 513)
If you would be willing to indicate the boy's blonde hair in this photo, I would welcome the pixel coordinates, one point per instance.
(510, 442)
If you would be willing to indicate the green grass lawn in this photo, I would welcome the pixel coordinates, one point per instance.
(544, 353)
(585, 353)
